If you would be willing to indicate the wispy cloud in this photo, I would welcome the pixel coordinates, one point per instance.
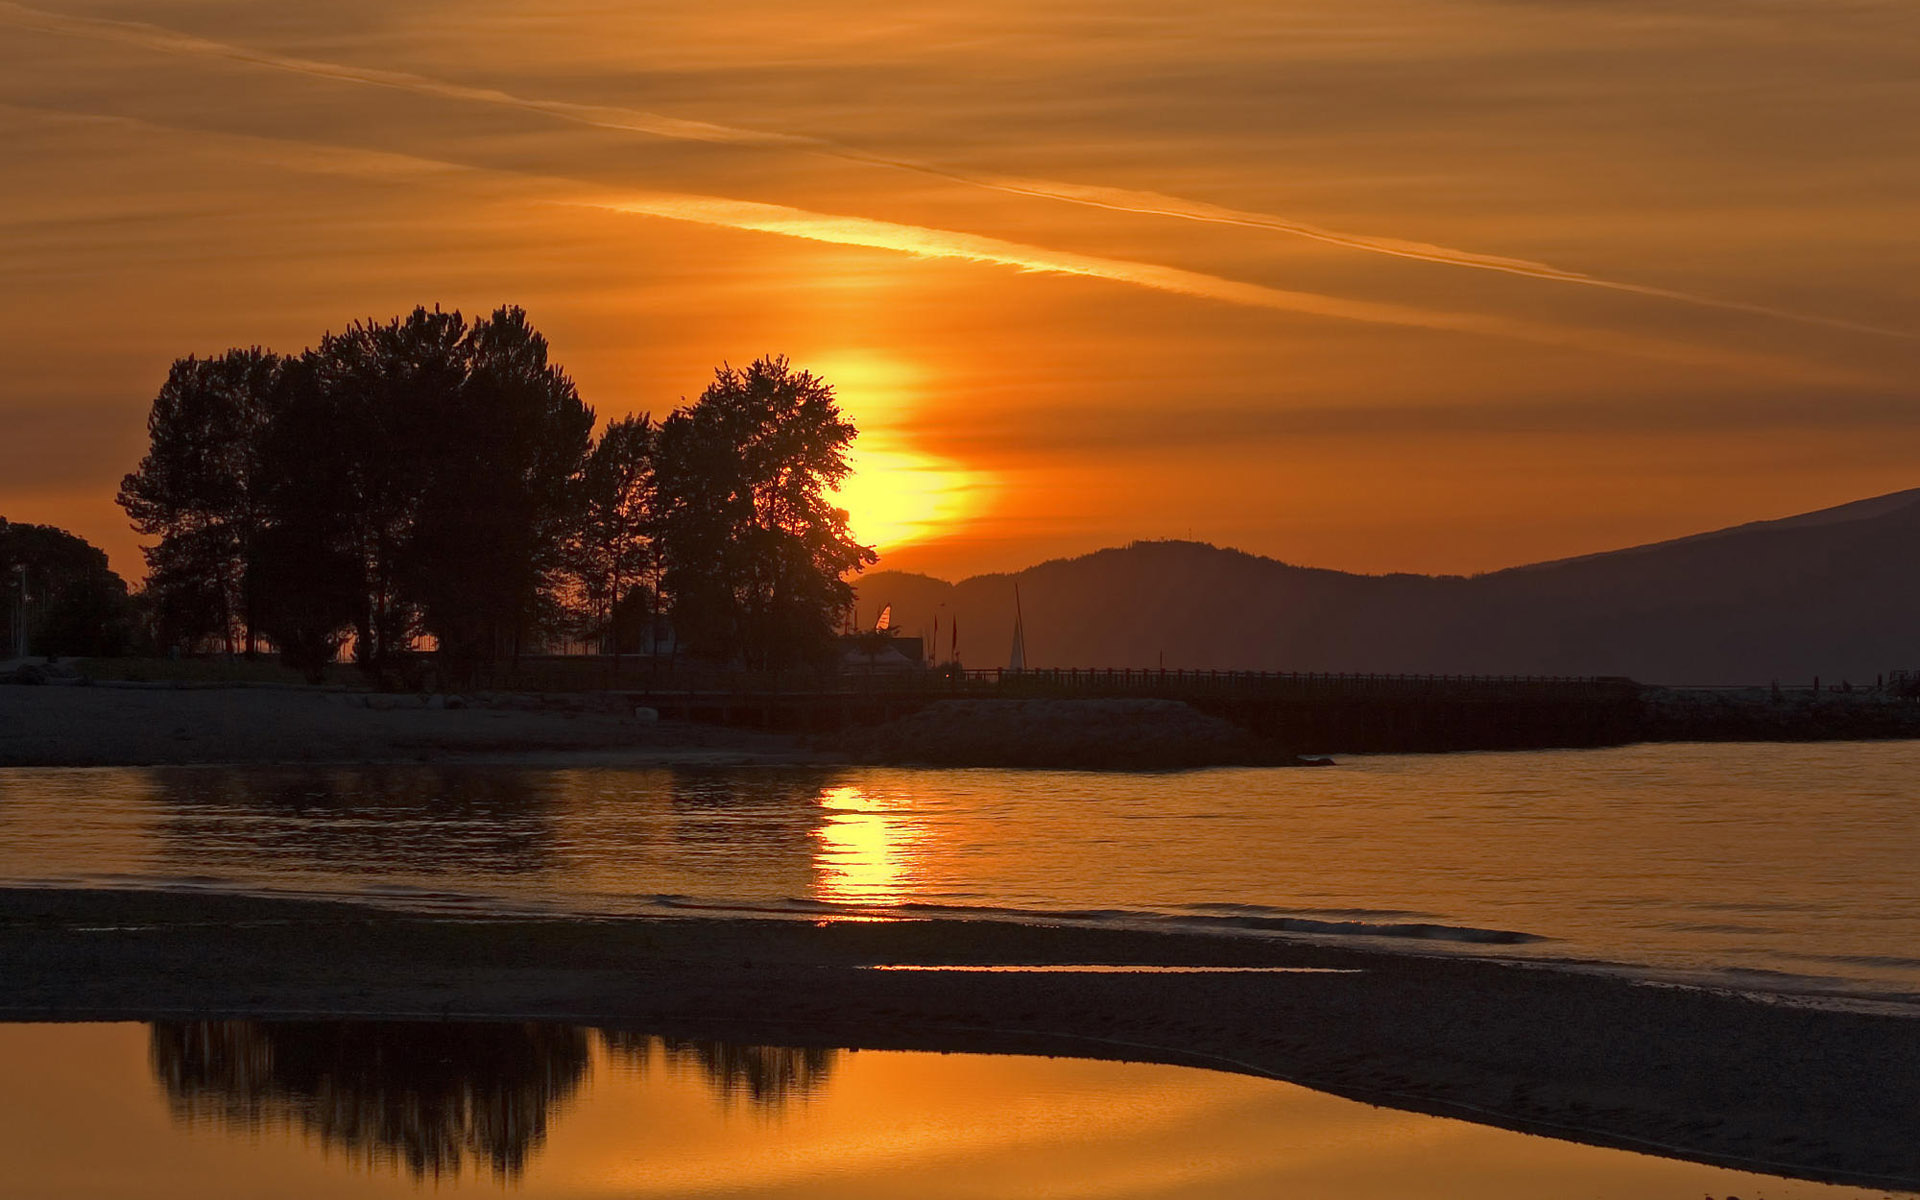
(925, 242)
(156, 37)
(616, 118)
(1154, 203)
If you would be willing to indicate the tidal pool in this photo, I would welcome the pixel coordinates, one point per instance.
(335, 1109)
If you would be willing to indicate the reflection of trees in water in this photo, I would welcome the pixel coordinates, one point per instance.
(432, 1097)
(712, 833)
(435, 1098)
(748, 835)
(749, 816)
(360, 820)
(769, 1077)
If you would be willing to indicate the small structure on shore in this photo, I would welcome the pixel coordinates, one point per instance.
(882, 650)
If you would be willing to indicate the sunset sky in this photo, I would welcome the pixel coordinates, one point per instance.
(1434, 285)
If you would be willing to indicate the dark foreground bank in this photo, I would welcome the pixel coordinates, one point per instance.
(1773, 1087)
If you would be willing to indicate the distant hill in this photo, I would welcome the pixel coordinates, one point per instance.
(1834, 593)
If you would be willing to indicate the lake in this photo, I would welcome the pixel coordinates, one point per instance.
(1764, 867)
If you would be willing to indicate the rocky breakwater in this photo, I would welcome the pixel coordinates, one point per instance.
(1118, 734)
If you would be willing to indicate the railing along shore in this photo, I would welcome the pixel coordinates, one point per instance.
(1123, 681)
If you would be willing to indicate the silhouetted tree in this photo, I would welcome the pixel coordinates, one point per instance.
(350, 458)
(499, 494)
(635, 624)
(427, 475)
(309, 561)
(754, 554)
(198, 490)
(433, 464)
(76, 605)
(611, 553)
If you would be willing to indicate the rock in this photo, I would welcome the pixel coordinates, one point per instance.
(647, 716)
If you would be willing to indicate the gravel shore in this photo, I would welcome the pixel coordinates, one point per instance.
(152, 726)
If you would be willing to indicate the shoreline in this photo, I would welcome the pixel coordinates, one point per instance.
(1812, 1093)
(109, 726)
(227, 724)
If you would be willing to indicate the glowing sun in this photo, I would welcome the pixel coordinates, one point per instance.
(896, 495)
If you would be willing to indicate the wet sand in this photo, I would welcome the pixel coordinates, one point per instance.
(1789, 1090)
(152, 726)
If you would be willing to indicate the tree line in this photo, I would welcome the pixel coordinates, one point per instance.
(58, 596)
(434, 477)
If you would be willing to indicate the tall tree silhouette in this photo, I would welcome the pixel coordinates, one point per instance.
(754, 554)
(432, 463)
(199, 490)
(309, 559)
(611, 555)
(505, 451)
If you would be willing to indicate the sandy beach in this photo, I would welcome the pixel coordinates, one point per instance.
(156, 725)
(1717, 1078)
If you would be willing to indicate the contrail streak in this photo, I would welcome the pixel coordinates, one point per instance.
(924, 242)
(155, 37)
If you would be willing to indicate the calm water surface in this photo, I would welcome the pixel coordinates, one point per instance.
(1755, 865)
(319, 1110)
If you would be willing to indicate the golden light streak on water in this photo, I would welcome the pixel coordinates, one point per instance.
(864, 855)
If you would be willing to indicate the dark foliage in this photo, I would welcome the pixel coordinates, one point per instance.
(430, 476)
(433, 462)
(754, 554)
(611, 554)
(199, 488)
(75, 604)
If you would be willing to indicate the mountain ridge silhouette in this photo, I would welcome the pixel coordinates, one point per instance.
(1834, 593)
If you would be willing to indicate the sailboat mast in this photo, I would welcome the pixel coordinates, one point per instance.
(1017, 660)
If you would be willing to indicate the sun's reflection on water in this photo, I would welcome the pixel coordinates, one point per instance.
(863, 849)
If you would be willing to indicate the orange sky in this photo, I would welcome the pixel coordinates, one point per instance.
(1395, 284)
